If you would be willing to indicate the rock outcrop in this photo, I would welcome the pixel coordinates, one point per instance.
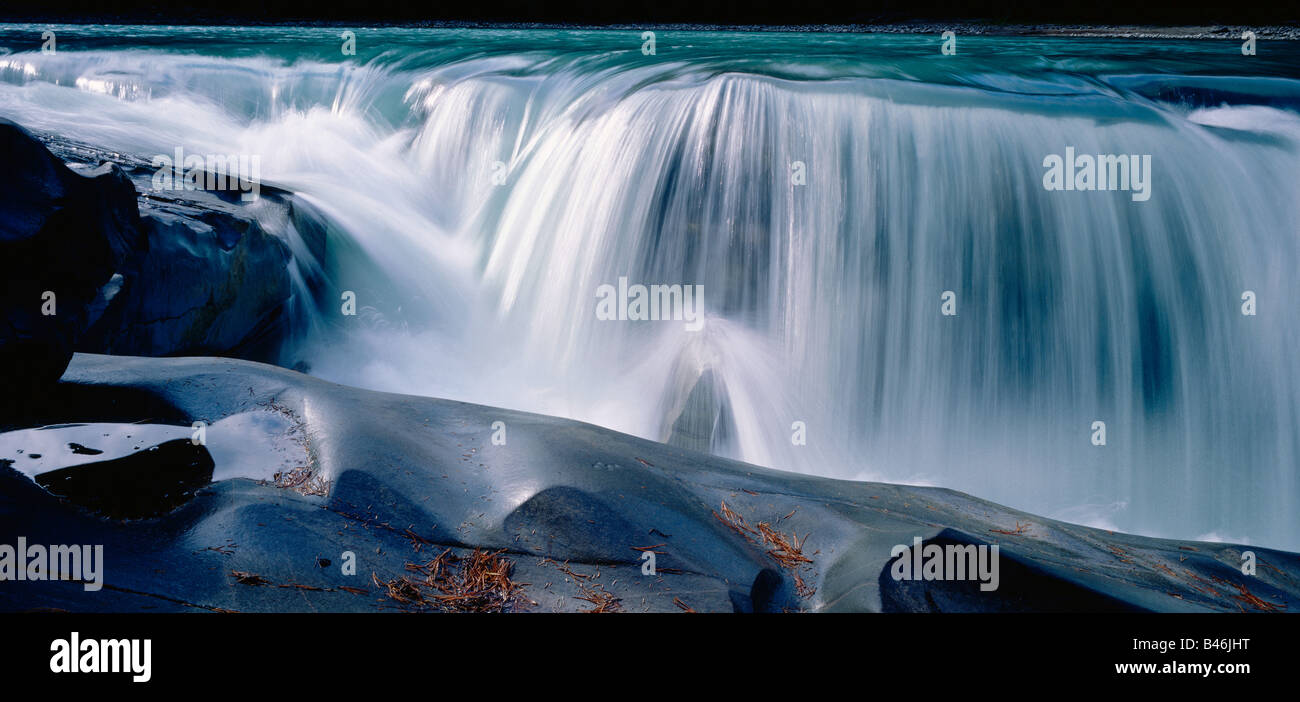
(208, 282)
(63, 235)
(97, 261)
(208, 277)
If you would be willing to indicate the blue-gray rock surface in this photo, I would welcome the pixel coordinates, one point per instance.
(570, 508)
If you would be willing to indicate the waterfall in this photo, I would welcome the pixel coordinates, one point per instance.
(480, 190)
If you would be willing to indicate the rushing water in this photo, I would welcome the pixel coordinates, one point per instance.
(923, 174)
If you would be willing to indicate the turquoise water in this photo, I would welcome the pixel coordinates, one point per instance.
(485, 183)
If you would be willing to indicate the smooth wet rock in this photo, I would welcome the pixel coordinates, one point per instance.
(207, 283)
(572, 507)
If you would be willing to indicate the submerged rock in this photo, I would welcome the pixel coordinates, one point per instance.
(141, 470)
(703, 422)
(144, 484)
(569, 509)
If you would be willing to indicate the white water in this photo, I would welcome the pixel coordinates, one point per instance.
(822, 300)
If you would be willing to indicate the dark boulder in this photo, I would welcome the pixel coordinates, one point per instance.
(63, 234)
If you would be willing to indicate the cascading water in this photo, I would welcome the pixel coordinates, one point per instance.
(482, 185)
